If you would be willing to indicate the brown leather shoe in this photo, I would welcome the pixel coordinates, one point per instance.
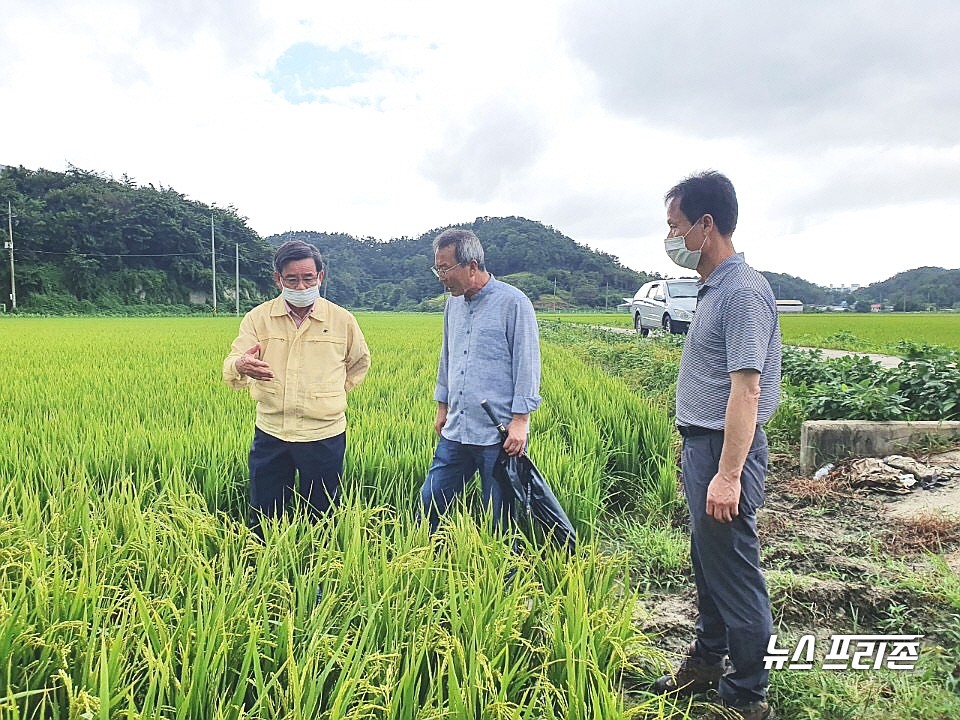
(695, 675)
(759, 710)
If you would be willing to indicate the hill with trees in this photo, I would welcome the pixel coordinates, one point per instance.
(788, 287)
(536, 258)
(87, 243)
(918, 289)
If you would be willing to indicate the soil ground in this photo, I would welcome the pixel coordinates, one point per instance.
(944, 500)
(824, 555)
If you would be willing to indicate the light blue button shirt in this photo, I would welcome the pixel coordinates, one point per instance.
(490, 351)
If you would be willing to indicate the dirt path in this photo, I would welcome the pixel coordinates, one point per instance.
(887, 361)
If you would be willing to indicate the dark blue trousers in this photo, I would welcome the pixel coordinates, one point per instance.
(454, 464)
(274, 464)
(732, 597)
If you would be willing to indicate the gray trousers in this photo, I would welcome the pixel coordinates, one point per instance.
(732, 596)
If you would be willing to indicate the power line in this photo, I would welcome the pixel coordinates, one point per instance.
(70, 252)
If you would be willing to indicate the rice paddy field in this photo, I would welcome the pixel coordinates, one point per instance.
(130, 586)
(871, 332)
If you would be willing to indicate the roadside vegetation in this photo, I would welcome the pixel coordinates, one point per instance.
(880, 333)
(924, 387)
(835, 563)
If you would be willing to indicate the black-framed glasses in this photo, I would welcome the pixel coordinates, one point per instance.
(440, 272)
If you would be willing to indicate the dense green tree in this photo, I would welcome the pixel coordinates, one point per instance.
(111, 243)
(86, 242)
(789, 287)
(915, 289)
(522, 252)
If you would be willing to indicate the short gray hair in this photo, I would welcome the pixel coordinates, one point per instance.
(293, 250)
(466, 243)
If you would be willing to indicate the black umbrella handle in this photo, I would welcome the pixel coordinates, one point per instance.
(493, 418)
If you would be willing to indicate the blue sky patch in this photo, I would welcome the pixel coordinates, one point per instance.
(305, 70)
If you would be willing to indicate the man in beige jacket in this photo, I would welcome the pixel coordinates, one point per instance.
(299, 355)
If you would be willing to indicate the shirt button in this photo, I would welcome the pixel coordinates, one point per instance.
(464, 352)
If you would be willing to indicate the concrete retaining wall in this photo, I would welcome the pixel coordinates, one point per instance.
(823, 441)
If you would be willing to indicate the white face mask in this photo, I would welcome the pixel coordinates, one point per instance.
(676, 249)
(302, 298)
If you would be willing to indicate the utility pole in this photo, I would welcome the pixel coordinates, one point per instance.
(213, 264)
(13, 284)
(237, 289)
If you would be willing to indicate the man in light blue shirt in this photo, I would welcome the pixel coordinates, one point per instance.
(490, 352)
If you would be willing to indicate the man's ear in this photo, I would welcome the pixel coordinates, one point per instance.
(276, 280)
(708, 223)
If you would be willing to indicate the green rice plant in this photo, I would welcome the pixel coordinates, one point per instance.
(870, 332)
(659, 555)
(615, 319)
(130, 586)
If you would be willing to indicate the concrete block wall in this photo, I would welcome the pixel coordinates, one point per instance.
(824, 441)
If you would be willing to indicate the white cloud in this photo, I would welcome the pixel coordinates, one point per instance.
(835, 121)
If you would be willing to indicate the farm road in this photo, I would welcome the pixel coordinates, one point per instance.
(887, 361)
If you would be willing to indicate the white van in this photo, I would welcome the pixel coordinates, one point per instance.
(664, 304)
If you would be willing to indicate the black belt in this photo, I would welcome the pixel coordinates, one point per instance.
(696, 430)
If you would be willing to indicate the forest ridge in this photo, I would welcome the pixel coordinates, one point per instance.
(85, 242)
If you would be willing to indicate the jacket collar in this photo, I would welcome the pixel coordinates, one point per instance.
(318, 311)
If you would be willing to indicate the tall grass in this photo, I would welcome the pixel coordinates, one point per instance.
(130, 586)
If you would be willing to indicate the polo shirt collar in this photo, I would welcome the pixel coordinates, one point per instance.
(722, 270)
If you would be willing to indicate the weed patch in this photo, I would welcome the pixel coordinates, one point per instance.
(927, 532)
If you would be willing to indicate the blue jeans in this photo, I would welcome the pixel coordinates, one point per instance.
(732, 598)
(273, 467)
(453, 466)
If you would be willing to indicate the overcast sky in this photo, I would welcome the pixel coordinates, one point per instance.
(837, 121)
